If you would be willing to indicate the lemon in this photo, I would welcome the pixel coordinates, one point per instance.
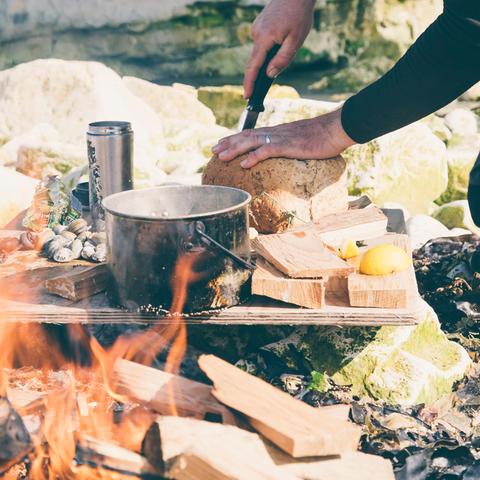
(384, 259)
(349, 249)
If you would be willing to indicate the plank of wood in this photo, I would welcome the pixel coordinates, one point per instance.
(383, 291)
(295, 427)
(270, 282)
(185, 448)
(301, 255)
(361, 224)
(166, 393)
(357, 465)
(101, 454)
(80, 283)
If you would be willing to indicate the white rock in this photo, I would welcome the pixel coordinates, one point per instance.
(422, 228)
(408, 167)
(472, 93)
(462, 122)
(17, 194)
(171, 102)
(68, 96)
(456, 215)
(284, 110)
(40, 133)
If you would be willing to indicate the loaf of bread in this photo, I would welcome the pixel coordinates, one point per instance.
(285, 192)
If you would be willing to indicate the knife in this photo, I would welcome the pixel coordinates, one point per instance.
(260, 90)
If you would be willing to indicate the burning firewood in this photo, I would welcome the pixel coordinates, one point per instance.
(109, 456)
(294, 426)
(15, 440)
(167, 393)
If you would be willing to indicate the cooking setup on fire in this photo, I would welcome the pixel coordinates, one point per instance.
(280, 243)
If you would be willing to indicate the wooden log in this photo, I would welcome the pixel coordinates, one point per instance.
(110, 456)
(348, 466)
(301, 255)
(185, 448)
(294, 426)
(270, 282)
(166, 393)
(80, 283)
(182, 448)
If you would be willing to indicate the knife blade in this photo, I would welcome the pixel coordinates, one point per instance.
(262, 84)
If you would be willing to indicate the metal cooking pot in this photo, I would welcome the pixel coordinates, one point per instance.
(149, 230)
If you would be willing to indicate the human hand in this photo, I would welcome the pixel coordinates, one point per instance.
(317, 138)
(282, 22)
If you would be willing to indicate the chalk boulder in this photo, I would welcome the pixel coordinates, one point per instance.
(17, 194)
(404, 365)
(408, 166)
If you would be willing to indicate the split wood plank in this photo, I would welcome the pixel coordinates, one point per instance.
(383, 291)
(292, 425)
(361, 224)
(110, 456)
(80, 283)
(351, 465)
(187, 449)
(166, 393)
(270, 282)
(301, 255)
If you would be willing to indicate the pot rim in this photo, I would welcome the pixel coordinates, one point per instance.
(151, 218)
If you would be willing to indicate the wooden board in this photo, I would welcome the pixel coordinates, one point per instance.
(359, 224)
(23, 298)
(292, 425)
(385, 291)
(270, 282)
(185, 448)
(165, 393)
(301, 255)
(79, 284)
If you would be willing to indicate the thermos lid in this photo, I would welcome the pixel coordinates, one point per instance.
(109, 128)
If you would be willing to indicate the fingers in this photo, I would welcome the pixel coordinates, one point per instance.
(231, 147)
(260, 154)
(257, 57)
(284, 56)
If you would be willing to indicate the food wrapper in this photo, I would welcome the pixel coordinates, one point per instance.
(51, 205)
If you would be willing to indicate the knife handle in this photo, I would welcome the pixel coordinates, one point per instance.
(262, 83)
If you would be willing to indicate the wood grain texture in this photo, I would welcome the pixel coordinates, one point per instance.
(292, 425)
(185, 448)
(79, 284)
(301, 255)
(359, 224)
(165, 393)
(270, 282)
(383, 291)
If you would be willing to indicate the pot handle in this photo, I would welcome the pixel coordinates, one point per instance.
(200, 229)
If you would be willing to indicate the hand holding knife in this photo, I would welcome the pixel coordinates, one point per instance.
(260, 90)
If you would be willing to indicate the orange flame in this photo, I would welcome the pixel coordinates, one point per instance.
(81, 396)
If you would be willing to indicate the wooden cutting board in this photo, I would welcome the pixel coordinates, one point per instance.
(301, 255)
(360, 224)
(269, 282)
(383, 291)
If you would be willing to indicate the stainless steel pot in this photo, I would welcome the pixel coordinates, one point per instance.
(148, 231)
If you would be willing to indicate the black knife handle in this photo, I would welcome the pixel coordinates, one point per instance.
(262, 83)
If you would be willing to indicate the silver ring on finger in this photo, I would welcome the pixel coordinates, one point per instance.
(268, 140)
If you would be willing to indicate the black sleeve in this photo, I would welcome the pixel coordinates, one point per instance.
(443, 63)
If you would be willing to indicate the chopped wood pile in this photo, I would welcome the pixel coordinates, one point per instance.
(239, 428)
